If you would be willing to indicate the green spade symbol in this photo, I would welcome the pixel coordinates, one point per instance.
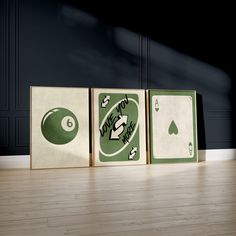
(173, 128)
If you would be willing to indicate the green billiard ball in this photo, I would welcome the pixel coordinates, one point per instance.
(59, 126)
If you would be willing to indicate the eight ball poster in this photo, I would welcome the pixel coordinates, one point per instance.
(59, 127)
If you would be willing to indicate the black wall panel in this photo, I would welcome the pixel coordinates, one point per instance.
(4, 56)
(169, 69)
(4, 132)
(54, 43)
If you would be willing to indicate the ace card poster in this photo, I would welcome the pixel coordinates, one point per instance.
(119, 128)
(172, 126)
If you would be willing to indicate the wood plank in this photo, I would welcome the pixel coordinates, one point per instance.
(183, 199)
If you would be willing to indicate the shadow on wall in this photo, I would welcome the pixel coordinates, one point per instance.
(75, 48)
(170, 69)
(79, 47)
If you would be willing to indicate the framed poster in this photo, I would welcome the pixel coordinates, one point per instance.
(119, 127)
(172, 126)
(59, 120)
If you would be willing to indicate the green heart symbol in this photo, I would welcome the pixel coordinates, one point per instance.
(173, 128)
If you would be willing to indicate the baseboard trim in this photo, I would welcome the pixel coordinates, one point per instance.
(217, 155)
(15, 162)
(23, 162)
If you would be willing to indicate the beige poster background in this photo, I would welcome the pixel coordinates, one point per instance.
(48, 155)
(179, 110)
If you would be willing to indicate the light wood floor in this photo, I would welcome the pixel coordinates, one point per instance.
(182, 199)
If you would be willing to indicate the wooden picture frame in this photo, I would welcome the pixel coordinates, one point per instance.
(119, 127)
(172, 129)
(59, 127)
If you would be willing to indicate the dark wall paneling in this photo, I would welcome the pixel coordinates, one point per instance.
(218, 126)
(21, 129)
(4, 132)
(4, 19)
(169, 69)
(56, 43)
(19, 103)
(61, 45)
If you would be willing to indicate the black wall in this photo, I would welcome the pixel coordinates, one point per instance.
(62, 43)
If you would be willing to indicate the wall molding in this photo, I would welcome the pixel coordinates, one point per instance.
(5, 55)
(23, 162)
(217, 155)
(5, 131)
(18, 142)
(15, 162)
(16, 65)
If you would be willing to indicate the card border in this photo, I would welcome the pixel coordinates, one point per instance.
(95, 159)
(158, 92)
